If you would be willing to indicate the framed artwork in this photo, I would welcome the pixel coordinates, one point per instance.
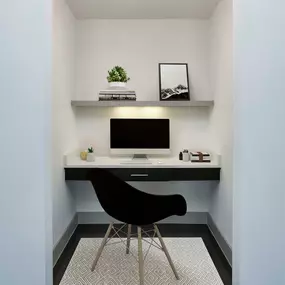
(174, 82)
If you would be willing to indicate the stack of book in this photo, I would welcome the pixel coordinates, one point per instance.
(117, 94)
(197, 156)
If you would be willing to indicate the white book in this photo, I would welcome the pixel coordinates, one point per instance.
(194, 153)
(104, 97)
(119, 92)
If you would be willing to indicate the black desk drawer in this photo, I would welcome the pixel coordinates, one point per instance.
(142, 174)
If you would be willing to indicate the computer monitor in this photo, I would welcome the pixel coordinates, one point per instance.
(140, 136)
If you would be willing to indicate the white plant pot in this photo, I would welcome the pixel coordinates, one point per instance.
(90, 157)
(118, 84)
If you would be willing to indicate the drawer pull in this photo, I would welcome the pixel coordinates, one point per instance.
(139, 175)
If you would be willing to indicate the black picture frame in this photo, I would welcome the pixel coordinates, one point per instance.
(174, 93)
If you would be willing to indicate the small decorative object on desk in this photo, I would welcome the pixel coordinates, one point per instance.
(199, 156)
(117, 90)
(180, 156)
(83, 155)
(186, 156)
(90, 155)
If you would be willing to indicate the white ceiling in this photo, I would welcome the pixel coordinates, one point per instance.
(142, 9)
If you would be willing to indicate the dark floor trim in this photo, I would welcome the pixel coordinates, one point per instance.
(62, 243)
(167, 230)
(224, 246)
(104, 218)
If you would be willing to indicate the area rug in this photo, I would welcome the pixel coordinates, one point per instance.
(190, 256)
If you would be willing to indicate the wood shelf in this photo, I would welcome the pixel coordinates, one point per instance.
(93, 103)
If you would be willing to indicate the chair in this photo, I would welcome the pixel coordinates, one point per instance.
(133, 207)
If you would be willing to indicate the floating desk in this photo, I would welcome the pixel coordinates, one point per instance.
(160, 169)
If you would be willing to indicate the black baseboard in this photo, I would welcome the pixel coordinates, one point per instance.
(63, 241)
(224, 246)
(167, 230)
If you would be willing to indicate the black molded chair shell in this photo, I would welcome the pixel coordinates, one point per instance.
(130, 205)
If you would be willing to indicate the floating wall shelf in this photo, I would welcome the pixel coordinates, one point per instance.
(93, 103)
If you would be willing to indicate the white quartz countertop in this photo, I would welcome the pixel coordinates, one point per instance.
(74, 161)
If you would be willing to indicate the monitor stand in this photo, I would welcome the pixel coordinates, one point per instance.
(138, 159)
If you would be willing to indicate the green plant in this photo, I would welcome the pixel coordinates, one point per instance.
(90, 150)
(118, 74)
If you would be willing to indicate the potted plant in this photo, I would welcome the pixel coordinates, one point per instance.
(90, 155)
(117, 77)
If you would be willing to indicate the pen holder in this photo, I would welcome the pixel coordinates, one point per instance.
(186, 156)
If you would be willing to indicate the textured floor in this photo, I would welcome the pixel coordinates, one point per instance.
(190, 256)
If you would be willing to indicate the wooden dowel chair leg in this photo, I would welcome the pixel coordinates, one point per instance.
(166, 252)
(140, 255)
(102, 247)
(129, 239)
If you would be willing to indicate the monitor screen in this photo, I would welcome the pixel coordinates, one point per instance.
(139, 134)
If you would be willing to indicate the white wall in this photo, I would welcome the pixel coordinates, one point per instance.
(25, 144)
(221, 117)
(259, 116)
(63, 127)
(190, 127)
(139, 46)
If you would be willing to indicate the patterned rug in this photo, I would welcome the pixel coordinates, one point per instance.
(190, 256)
